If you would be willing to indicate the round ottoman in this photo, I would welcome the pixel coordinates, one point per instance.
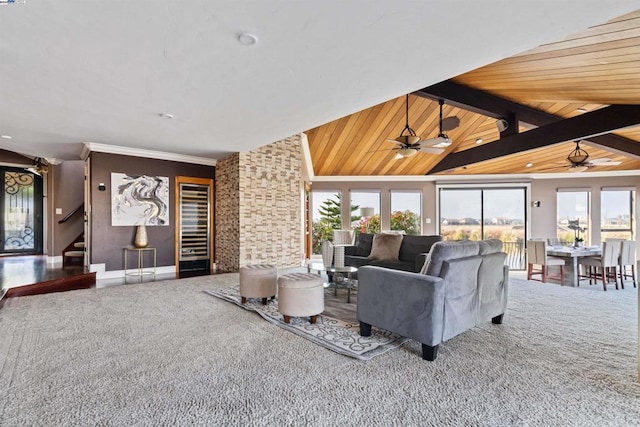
(258, 281)
(300, 295)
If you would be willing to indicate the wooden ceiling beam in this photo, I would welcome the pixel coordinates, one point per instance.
(484, 103)
(585, 126)
(490, 105)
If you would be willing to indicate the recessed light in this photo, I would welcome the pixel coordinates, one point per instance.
(479, 141)
(166, 115)
(529, 164)
(581, 110)
(6, 136)
(247, 39)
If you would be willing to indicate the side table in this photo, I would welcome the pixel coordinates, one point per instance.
(139, 271)
(342, 278)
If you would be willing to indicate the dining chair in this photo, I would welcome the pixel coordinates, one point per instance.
(537, 254)
(628, 258)
(599, 267)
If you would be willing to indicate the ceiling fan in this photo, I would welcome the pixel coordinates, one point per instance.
(579, 160)
(409, 143)
(39, 166)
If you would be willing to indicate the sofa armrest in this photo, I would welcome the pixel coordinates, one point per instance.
(409, 304)
(350, 250)
(420, 260)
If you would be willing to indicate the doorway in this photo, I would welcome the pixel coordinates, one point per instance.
(21, 212)
(476, 213)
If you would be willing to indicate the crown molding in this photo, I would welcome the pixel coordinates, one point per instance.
(89, 147)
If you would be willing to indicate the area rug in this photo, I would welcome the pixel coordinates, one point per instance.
(334, 334)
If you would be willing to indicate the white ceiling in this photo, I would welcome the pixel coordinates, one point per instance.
(75, 71)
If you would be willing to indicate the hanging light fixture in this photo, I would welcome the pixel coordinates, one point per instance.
(407, 152)
(578, 156)
(408, 136)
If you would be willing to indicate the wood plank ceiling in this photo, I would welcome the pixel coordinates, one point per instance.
(587, 71)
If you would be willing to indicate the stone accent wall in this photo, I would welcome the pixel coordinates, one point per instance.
(227, 210)
(261, 222)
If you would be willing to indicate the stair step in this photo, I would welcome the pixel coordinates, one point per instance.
(78, 245)
(74, 254)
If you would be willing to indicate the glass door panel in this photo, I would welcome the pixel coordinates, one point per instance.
(21, 212)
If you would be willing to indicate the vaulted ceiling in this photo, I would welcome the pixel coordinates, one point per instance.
(541, 89)
(115, 72)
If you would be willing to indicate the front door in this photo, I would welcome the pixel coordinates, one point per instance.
(21, 212)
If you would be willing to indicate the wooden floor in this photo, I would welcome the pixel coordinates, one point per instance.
(31, 275)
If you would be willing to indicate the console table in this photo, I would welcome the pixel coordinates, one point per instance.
(139, 270)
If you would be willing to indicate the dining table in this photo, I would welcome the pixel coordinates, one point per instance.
(571, 256)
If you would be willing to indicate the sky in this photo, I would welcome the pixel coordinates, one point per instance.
(400, 201)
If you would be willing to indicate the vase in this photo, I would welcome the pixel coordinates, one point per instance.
(141, 240)
(327, 253)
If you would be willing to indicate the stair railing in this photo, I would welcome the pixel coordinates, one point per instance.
(72, 213)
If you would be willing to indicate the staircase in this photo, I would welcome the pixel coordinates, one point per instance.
(73, 254)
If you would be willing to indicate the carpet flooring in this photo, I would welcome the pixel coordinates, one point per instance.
(341, 335)
(166, 353)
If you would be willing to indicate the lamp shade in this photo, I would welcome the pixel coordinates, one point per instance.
(407, 152)
(366, 212)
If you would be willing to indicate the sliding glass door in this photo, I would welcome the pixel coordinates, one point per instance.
(486, 213)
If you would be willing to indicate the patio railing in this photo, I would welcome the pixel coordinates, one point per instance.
(515, 255)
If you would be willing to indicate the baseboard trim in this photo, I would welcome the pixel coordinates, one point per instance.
(101, 273)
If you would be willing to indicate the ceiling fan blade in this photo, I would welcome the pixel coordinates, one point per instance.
(604, 161)
(450, 123)
(431, 150)
(429, 142)
(384, 149)
(394, 141)
(581, 168)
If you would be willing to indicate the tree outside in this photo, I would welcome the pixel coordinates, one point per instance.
(330, 219)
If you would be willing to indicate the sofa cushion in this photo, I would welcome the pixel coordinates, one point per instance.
(363, 244)
(414, 245)
(394, 265)
(356, 261)
(442, 251)
(490, 246)
(386, 247)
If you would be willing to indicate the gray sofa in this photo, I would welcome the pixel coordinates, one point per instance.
(413, 252)
(463, 284)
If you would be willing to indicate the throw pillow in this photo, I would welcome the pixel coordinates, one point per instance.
(386, 247)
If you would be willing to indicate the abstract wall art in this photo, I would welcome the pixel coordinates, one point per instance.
(139, 199)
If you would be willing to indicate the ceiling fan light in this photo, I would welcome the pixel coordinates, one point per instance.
(407, 152)
(578, 156)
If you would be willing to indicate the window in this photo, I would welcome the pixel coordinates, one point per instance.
(616, 213)
(572, 205)
(326, 217)
(486, 213)
(461, 214)
(406, 210)
(362, 219)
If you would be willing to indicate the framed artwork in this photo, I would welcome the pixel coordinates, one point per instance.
(139, 199)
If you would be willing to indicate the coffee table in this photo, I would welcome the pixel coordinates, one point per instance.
(342, 278)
